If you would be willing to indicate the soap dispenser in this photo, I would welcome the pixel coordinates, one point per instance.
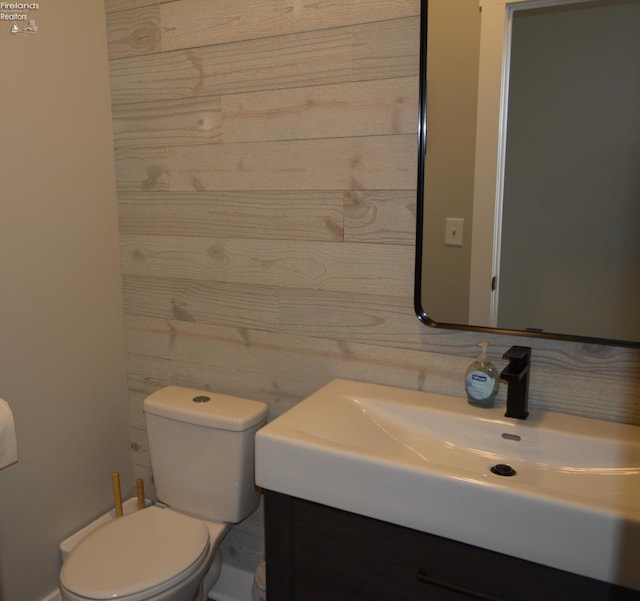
(481, 380)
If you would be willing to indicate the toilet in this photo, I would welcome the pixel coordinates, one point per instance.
(202, 457)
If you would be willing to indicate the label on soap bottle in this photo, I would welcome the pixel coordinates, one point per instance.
(479, 385)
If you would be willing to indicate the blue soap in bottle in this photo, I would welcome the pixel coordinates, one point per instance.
(481, 380)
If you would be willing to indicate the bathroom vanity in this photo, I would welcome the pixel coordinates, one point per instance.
(442, 522)
(319, 553)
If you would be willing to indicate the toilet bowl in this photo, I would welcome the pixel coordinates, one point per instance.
(151, 555)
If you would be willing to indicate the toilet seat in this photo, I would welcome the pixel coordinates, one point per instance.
(137, 556)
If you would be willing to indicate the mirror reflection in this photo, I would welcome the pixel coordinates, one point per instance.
(530, 198)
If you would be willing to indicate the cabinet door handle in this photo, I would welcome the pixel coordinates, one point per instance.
(423, 576)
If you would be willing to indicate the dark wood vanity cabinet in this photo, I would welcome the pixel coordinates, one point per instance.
(318, 553)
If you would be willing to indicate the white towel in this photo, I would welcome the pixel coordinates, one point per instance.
(8, 442)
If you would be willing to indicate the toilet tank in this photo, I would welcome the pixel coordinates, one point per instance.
(202, 451)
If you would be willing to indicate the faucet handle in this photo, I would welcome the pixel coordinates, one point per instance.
(518, 354)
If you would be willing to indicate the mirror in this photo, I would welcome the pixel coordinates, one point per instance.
(529, 168)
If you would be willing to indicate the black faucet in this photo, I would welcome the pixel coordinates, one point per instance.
(516, 374)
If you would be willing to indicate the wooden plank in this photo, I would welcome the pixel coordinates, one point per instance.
(382, 107)
(142, 169)
(383, 320)
(386, 49)
(292, 215)
(375, 162)
(112, 6)
(139, 443)
(312, 58)
(346, 316)
(198, 301)
(163, 123)
(362, 268)
(382, 217)
(315, 57)
(190, 23)
(133, 32)
(364, 108)
(145, 374)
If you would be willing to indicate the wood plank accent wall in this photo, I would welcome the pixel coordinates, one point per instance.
(266, 168)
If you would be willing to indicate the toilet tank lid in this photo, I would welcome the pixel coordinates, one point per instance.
(205, 408)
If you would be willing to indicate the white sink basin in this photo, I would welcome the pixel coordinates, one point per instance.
(424, 461)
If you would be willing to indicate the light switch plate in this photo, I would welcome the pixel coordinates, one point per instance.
(453, 230)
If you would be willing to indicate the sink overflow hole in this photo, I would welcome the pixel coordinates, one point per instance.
(508, 436)
(502, 469)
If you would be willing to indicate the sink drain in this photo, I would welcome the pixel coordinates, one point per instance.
(502, 469)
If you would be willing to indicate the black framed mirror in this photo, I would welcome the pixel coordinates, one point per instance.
(529, 168)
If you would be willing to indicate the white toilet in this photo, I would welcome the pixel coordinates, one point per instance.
(202, 456)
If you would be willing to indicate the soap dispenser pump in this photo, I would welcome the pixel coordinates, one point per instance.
(481, 380)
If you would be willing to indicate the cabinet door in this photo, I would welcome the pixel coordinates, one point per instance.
(317, 553)
(378, 561)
